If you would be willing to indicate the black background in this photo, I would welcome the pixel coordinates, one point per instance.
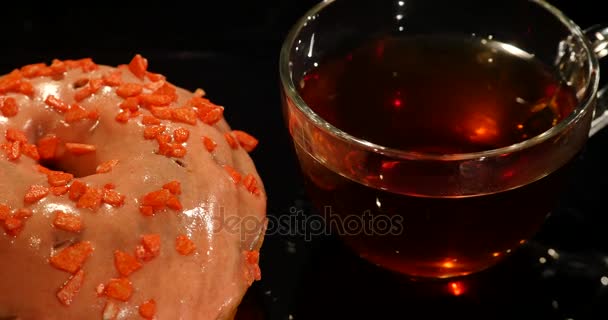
(231, 50)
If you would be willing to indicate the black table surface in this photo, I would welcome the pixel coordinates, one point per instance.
(231, 50)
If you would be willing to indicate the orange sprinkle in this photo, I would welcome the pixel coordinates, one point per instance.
(177, 151)
(156, 199)
(151, 245)
(35, 193)
(147, 310)
(130, 103)
(77, 189)
(174, 203)
(129, 90)
(42, 169)
(138, 66)
(109, 186)
(67, 221)
(153, 86)
(163, 138)
(72, 64)
(150, 120)
(201, 103)
(119, 289)
(151, 132)
(71, 288)
(25, 88)
(15, 135)
(163, 113)
(73, 257)
(59, 191)
(252, 272)
(252, 257)
(250, 183)
(113, 198)
(135, 114)
(247, 141)
(13, 150)
(184, 114)
(125, 263)
(107, 166)
(155, 76)
(95, 84)
(47, 146)
(146, 210)
(56, 104)
(31, 151)
(83, 93)
(57, 67)
(166, 88)
(174, 187)
(59, 178)
(10, 82)
(208, 112)
(5, 212)
(236, 177)
(231, 141)
(184, 245)
(13, 226)
(181, 135)
(33, 70)
(123, 116)
(80, 148)
(199, 93)
(93, 114)
(112, 79)
(75, 113)
(91, 199)
(23, 214)
(8, 107)
(210, 145)
(213, 116)
(164, 147)
(86, 64)
(155, 99)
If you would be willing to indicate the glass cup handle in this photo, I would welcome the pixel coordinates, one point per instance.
(598, 35)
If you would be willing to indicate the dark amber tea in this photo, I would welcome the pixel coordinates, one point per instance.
(436, 95)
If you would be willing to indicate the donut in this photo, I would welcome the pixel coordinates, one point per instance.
(122, 196)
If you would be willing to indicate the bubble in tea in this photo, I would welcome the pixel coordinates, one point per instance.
(436, 95)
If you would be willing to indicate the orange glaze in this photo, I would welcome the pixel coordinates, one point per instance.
(77, 162)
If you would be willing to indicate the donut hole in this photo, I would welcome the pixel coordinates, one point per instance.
(80, 83)
(80, 166)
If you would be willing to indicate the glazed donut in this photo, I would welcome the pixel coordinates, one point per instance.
(122, 197)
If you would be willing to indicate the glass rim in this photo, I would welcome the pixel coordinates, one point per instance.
(582, 107)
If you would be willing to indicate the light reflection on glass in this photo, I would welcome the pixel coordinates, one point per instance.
(457, 288)
(312, 44)
(553, 253)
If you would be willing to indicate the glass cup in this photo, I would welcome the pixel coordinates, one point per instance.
(436, 215)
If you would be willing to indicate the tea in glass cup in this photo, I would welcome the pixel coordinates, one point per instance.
(463, 129)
